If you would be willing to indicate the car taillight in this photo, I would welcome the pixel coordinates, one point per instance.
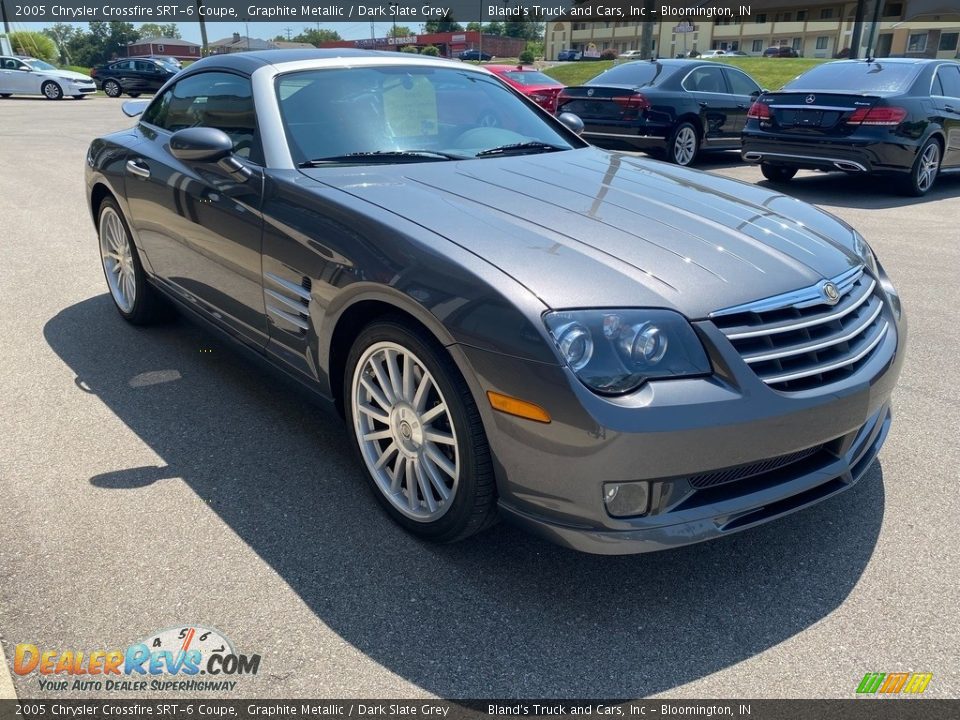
(759, 110)
(93, 72)
(878, 116)
(633, 102)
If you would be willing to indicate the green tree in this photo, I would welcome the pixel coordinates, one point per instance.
(62, 35)
(444, 24)
(315, 36)
(400, 31)
(431, 50)
(474, 27)
(493, 28)
(169, 30)
(34, 44)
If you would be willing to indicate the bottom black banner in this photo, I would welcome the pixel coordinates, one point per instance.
(854, 709)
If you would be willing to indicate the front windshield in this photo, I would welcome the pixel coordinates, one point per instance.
(427, 113)
(39, 64)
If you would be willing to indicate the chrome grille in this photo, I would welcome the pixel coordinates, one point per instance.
(798, 340)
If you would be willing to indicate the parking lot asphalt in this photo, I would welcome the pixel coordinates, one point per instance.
(152, 478)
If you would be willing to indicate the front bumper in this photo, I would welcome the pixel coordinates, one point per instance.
(785, 451)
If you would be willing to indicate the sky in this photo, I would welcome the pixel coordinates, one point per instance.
(263, 30)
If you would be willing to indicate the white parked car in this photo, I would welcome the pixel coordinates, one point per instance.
(712, 54)
(29, 76)
(631, 55)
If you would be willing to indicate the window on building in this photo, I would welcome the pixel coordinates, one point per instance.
(917, 42)
(757, 46)
(761, 18)
(801, 15)
(826, 13)
(159, 48)
(798, 44)
(786, 17)
(893, 9)
(948, 41)
(823, 42)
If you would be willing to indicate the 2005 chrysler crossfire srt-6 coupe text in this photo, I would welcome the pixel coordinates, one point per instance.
(616, 353)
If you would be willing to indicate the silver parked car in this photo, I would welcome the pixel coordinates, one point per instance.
(618, 354)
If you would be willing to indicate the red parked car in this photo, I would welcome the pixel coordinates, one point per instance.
(540, 88)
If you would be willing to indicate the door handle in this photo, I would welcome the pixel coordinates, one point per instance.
(136, 167)
(702, 104)
(949, 108)
(741, 107)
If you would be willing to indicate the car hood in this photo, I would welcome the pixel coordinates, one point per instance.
(70, 74)
(592, 228)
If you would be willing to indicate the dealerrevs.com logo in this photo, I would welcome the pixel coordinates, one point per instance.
(189, 658)
(894, 683)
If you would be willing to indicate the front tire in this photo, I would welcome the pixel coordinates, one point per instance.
(684, 145)
(777, 173)
(135, 299)
(925, 169)
(51, 90)
(418, 432)
(111, 88)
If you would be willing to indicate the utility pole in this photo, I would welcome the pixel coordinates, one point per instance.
(288, 31)
(873, 30)
(857, 37)
(6, 25)
(204, 48)
(646, 37)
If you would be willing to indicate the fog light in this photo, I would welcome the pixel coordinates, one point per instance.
(628, 499)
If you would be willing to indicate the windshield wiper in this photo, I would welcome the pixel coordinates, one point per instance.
(534, 146)
(383, 156)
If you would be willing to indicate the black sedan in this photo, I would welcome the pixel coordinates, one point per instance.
(679, 107)
(133, 76)
(619, 354)
(475, 55)
(895, 116)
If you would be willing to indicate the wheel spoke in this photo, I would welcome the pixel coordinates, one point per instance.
(372, 412)
(438, 436)
(394, 371)
(425, 490)
(387, 454)
(442, 490)
(420, 397)
(407, 378)
(396, 476)
(382, 380)
(411, 476)
(441, 460)
(375, 392)
(378, 435)
(433, 413)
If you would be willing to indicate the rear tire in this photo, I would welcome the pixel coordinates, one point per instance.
(925, 169)
(134, 94)
(418, 433)
(684, 145)
(5, 95)
(777, 173)
(137, 301)
(111, 88)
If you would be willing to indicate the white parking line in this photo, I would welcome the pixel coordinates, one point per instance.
(7, 691)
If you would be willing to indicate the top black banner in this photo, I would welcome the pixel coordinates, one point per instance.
(23, 11)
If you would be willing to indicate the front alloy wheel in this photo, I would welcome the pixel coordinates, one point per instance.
(52, 91)
(419, 433)
(111, 88)
(135, 300)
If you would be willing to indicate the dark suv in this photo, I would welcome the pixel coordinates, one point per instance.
(133, 76)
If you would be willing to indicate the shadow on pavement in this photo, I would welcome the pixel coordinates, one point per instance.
(500, 615)
(859, 191)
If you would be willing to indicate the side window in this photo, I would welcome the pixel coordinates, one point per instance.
(705, 79)
(122, 65)
(937, 87)
(950, 78)
(212, 99)
(740, 83)
(144, 66)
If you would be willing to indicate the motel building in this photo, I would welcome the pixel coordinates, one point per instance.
(814, 28)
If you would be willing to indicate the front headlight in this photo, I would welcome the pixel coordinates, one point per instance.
(616, 351)
(862, 249)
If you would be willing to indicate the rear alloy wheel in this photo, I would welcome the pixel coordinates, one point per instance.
(419, 433)
(925, 170)
(135, 300)
(684, 145)
(111, 88)
(777, 173)
(52, 91)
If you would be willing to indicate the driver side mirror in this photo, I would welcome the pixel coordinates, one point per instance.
(208, 145)
(25, 68)
(572, 122)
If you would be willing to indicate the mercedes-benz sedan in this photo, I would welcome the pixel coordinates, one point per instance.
(619, 354)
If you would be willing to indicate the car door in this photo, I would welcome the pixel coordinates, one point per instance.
(19, 78)
(149, 76)
(946, 97)
(707, 86)
(124, 73)
(199, 224)
(744, 90)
